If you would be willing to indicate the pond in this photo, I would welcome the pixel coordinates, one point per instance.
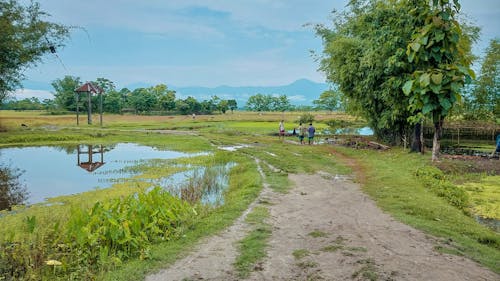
(364, 131)
(50, 171)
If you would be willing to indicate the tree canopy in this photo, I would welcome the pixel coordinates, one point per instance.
(25, 37)
(365, 54)
(441, 63)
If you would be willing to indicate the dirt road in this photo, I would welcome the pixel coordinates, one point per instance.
(327, 229)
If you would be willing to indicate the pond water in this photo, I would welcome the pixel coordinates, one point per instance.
(51, 171)
(365, 131)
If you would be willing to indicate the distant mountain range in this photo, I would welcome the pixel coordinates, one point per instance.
(300, 92)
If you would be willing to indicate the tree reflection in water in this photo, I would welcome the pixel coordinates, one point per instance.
(12, 190)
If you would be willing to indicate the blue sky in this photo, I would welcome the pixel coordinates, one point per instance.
(200, 43)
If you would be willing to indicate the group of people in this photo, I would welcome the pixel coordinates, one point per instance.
(302, 131)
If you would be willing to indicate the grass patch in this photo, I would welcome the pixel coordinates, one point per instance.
(307, 264)
(318, 234)
(252, 247)
(300, 253)
(332, 248)
(367, 271)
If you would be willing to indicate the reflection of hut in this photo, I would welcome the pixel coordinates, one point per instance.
(90, 89)
(90, 165)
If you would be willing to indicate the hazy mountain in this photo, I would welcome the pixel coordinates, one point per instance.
(300, 92)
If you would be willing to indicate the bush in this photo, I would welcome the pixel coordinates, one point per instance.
(306, 118)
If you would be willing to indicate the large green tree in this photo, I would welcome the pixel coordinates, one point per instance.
(364, 54)
(329, 100)
(65, 97)
(25, 36)
(441, 63)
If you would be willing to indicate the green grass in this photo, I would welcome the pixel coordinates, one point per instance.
(390, 179)
(300, 253)
(252, 248)
(318, 234)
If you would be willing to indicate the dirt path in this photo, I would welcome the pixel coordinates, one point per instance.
(327, 229)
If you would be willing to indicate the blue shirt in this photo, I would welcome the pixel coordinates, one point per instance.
(311, 131)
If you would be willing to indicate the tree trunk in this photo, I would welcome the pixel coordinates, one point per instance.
(436, 141)
(416, 142)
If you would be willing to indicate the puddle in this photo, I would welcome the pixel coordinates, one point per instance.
(365, 131)
(50, 171)
(493, 224)
(202, 184)
(233, 147)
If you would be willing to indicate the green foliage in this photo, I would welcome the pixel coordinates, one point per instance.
(329, 100)
(260, 102)
(440, 62)
(12, 190)
(484, 100)
(485, 196)
(26, 37)
(435, 180)
(306, 118)
(65, 97)
(364, 55)
(100, 238)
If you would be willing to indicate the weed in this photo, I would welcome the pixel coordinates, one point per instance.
(300, 253)
(332, 248)
(317, 234)
(307, 264)
(357, 249)
(367, 271)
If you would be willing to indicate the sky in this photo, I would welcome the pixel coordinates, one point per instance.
(199, 43)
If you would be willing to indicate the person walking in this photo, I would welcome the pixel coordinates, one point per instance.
(282, 130)
(311, 130)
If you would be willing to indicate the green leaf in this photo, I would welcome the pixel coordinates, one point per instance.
(424, 40)
(437, 78)
(425, 80)
(415, 46)
(427, 108)
(411, 56)
(407, 87)
(445, 103)
(435, 88)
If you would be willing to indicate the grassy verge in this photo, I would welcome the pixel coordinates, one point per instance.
(390, 179)
(252, 247)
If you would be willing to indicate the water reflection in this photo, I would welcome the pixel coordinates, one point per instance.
(50, 171)
(12, 190)
(202, 184)
(90, 165)
(493, 224)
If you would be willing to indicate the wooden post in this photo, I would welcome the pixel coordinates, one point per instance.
(77, 110)
(100, 108)
(89, 109)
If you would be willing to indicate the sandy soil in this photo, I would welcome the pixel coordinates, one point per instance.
(327, 229)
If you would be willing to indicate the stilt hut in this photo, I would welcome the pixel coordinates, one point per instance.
(89, 88)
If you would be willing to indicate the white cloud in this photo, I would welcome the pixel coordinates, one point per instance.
(21, 94)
